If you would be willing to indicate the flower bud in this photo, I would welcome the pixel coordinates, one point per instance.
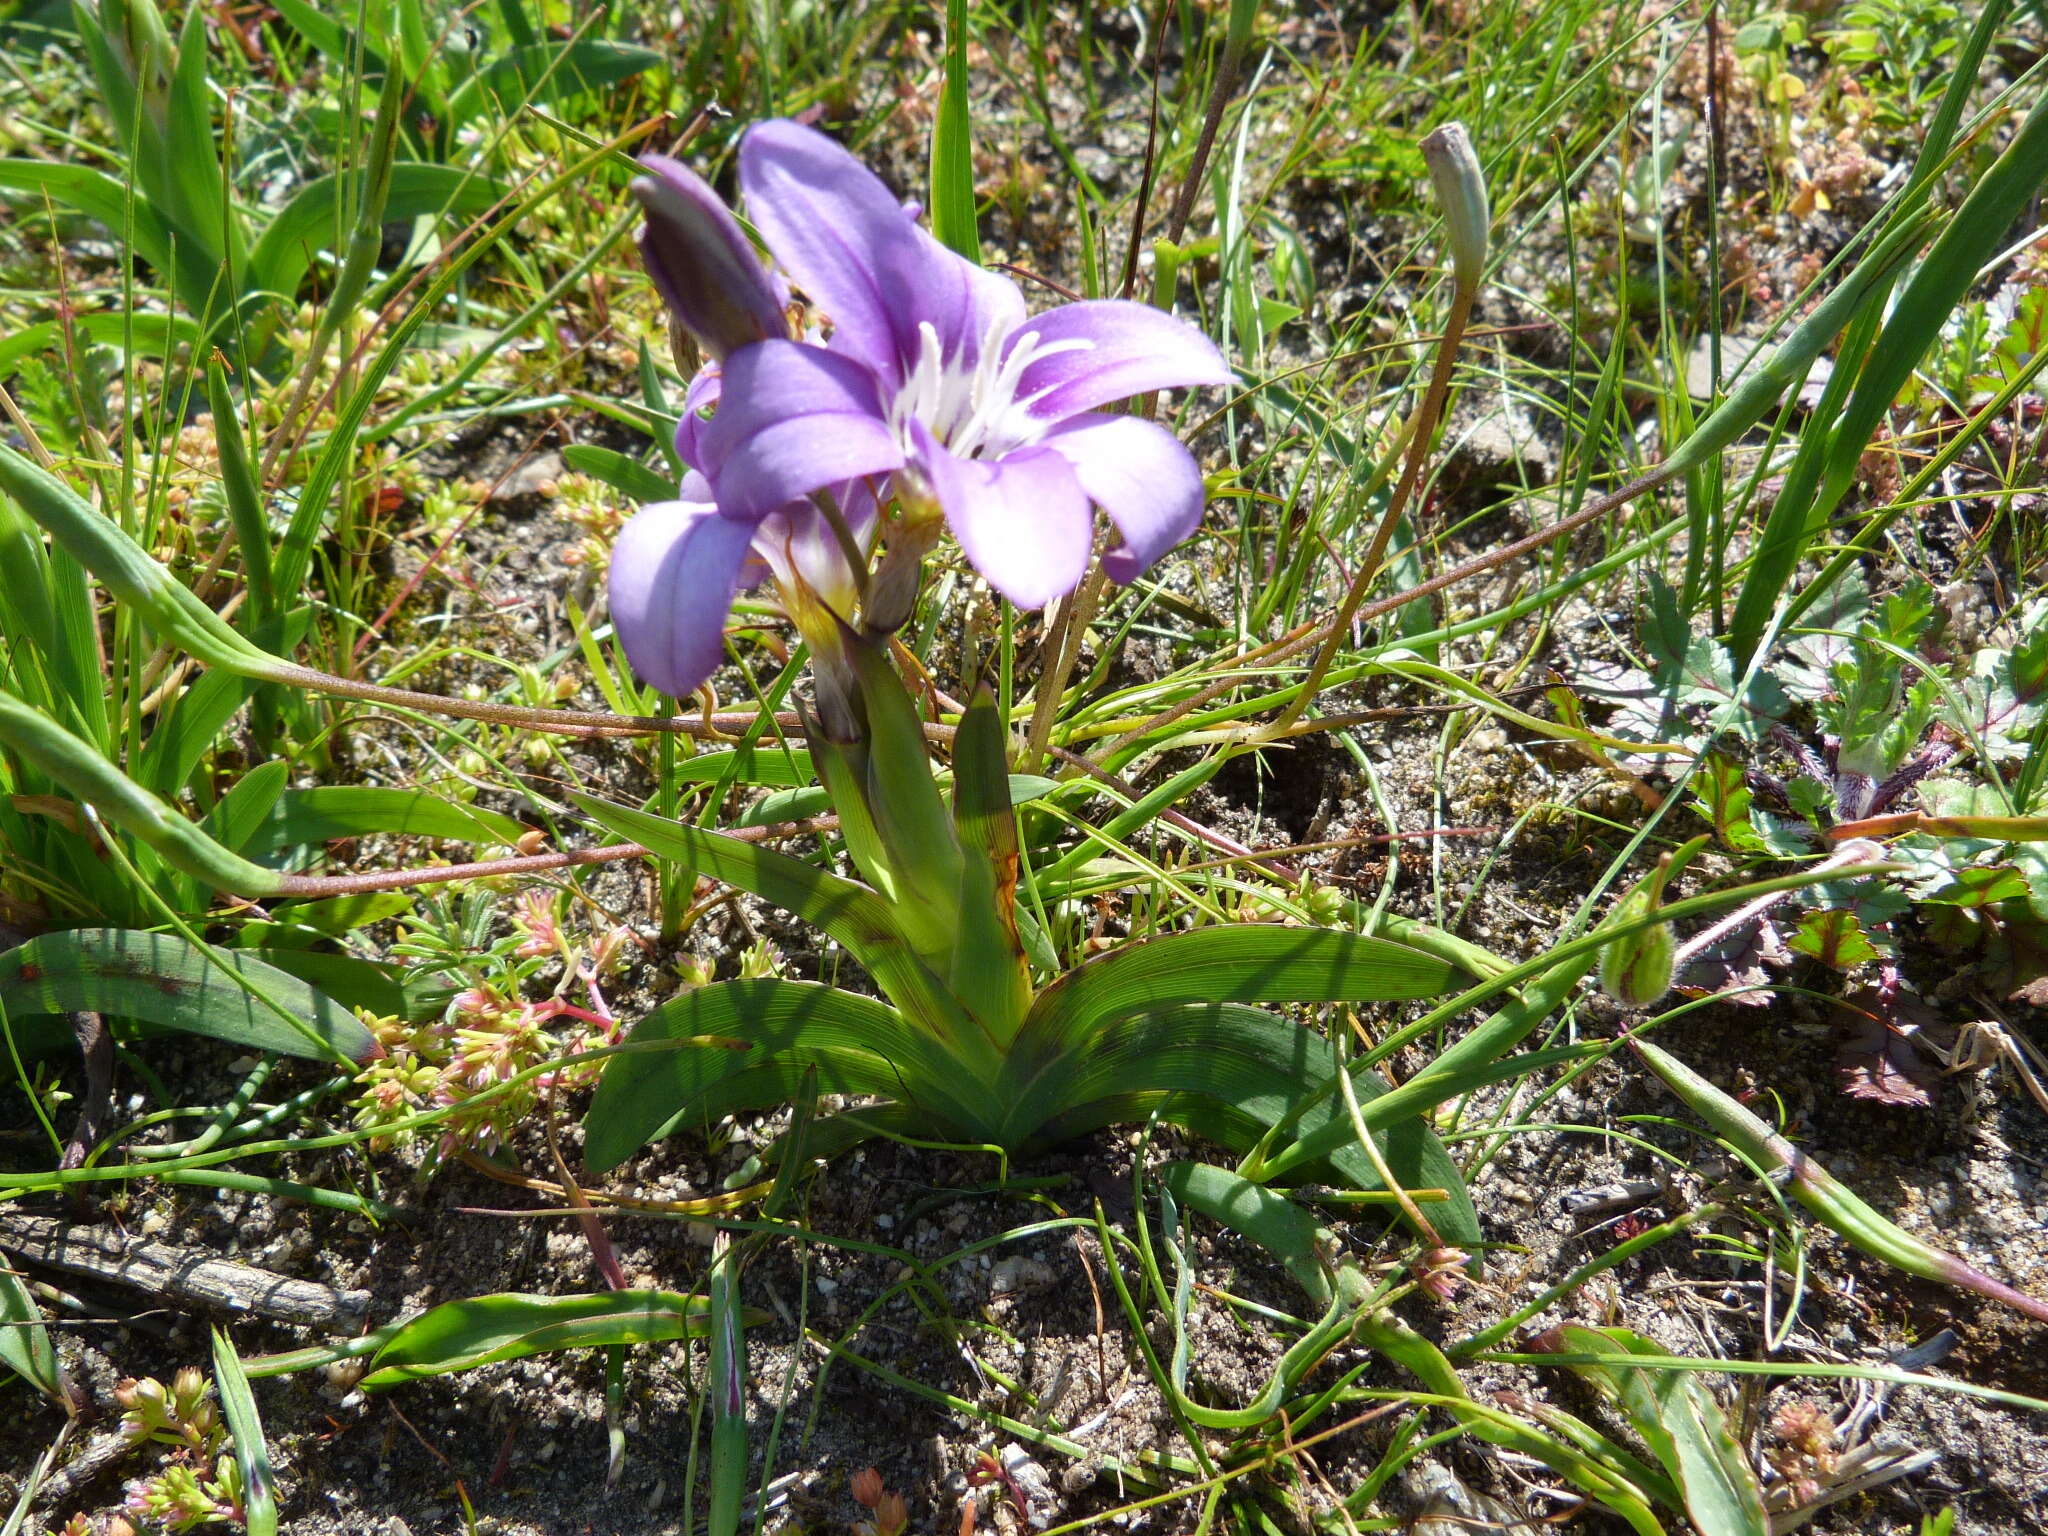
(1635, 971)
(1461, 188)
(703, 265)
(867, 1487)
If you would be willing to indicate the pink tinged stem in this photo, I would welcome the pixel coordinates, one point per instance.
(1821, 1193)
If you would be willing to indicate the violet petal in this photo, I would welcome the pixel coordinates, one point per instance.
(1140, 475)
(793, 419)
(1022, 520)
(675, 567)
(1131, 348)
(861, 256)
(701, 396)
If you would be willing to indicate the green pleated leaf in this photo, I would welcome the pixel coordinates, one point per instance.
(386, 990)
(246, 806)
(461, 1335)
(988, 965)
(1271, 1220)
(783, 1025)
(1685, 1429)
(163, 979)
(771, 766)
(106, 201)
(849, 912)
(953, 146)
(146, 333)
(628, 476)
(1472, 1062)
(319, 815)
(544, 72)
(1242, 963)
(307, 224)
(1259, 1071)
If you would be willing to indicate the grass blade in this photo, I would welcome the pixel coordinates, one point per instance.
(1931, 293)
(238, 1407)
(162, 979)
(953, 148)
(460, 1335)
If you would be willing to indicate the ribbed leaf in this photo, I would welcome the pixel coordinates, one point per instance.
(243, 488)
(460, 1335)
(763, 767)
(846, 910)
(988, 962)
(1469, 1063)
(246, 806)
(318, 815)
(1685, 1429)
(849, 912)
(47, 617)
(1261, 1069)
(628, 476)
(1828, 460)
(899, 791)
(1241, 963)
(308, 224)
(1271, 1220)
(547, 72)
(143, 332)
(953, 146)
(238, 1407)
(25, 1345)
(105, 201)
(786, 1025)
(163, 979)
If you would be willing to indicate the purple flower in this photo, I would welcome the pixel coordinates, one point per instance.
(932, 375)
(678, 565)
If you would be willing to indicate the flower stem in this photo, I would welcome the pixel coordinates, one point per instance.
(1421, 431)
(1817, 1189)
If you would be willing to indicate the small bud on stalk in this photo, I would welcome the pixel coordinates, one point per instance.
(1461, 188)
(1635, 971)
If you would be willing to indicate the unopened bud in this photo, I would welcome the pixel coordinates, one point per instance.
(1635, 971)
(892, 591)
(1461, 189)
(703, 265)
(867, 1487)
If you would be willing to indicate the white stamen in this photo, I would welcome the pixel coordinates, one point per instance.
(976, 412)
